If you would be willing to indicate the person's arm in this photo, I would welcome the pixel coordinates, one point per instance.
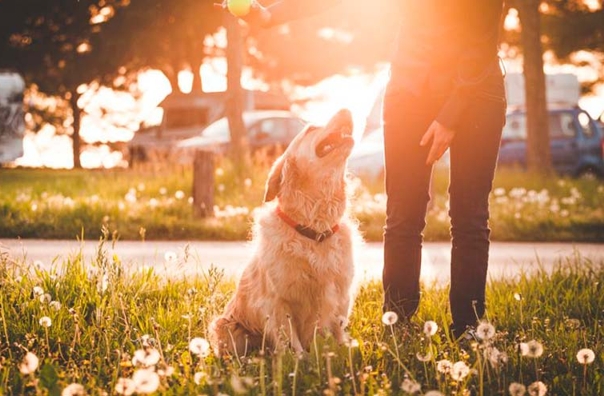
(477, 60)
(474, 67)
(289, 10)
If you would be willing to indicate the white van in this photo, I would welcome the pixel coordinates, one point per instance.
(12, 119)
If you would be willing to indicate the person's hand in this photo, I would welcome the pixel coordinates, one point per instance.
(441, 138)
(258, 16)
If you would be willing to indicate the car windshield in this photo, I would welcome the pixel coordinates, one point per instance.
(217, 129)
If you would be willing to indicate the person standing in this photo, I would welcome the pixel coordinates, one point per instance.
(446, 91)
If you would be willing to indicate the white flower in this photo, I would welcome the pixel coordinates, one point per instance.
(537, 388)
(424, 358)
(179, 194)
(145, 381)
(354, 343)
(38, 291)
(167, 372)
(517, 389)
(163, 190)
(45, 298)
(444, 366)
(586, 356)
(45, 321)
(125, 386)
(433, 393)
(29, 364)
(389, 318)
(430, 328)
(198, 377)
(74, 390)
(55, 305)
(459, 371)
(485, 331)
(170, 256)
(146, 357)
(532, 349)
(199, 346)
(241, 385)
(411, 387)
(517, 296)
(495, 357)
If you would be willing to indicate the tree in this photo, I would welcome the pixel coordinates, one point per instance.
(57, 46)
(165, 35)
(355, 34)
(235, 98)
(538, 155)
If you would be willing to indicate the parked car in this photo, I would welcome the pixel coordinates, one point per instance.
(576, 141)
(266, 129)
(367, 157)
(577, 145)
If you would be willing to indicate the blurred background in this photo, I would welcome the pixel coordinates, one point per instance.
(112, 83)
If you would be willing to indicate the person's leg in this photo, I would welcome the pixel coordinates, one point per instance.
(474, 153)
(406, 119)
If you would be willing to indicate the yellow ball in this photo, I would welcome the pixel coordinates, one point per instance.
(239, 8)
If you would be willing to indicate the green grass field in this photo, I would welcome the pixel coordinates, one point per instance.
(156, 204)
(91, 327)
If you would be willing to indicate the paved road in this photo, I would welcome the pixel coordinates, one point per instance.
(506, 259)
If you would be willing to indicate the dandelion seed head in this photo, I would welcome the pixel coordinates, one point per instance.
(125, 386)
(424, 358)
(586, 356)
(45, 298)
(389, 318)
(444, 366)
(354, 343)
(163, 190)
(433, 393)
(145, 381)
(74, 390)
(38, 291)
(534, 349)
(146, 357)
(459, 371)
(170, 256)
(410, 386)
(517, 389)
(537, 388)
(517, 296)
(45, 321)
(179, 194)
(55, 305)
(199, 346)
(485, 331)
(29, 364)
(430, 328)
(199, 376)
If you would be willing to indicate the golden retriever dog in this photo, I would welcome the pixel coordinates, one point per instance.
(299, 280)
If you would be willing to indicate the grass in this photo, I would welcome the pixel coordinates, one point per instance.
(94, 325)
(156, 204)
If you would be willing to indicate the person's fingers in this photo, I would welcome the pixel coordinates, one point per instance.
(427, 136)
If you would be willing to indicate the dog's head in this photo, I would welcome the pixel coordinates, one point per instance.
(315, 155)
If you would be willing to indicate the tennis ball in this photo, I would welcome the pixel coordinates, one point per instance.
(239, 8)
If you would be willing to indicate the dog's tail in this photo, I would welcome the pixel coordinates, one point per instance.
(227, 336)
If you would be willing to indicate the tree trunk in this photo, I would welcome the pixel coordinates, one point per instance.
(239, 149)
(538, 155)
(77, 113)
(197, 87)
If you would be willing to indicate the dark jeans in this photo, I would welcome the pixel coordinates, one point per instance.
(473, 155)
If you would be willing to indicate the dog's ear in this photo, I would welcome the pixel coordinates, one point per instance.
(273, 184)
